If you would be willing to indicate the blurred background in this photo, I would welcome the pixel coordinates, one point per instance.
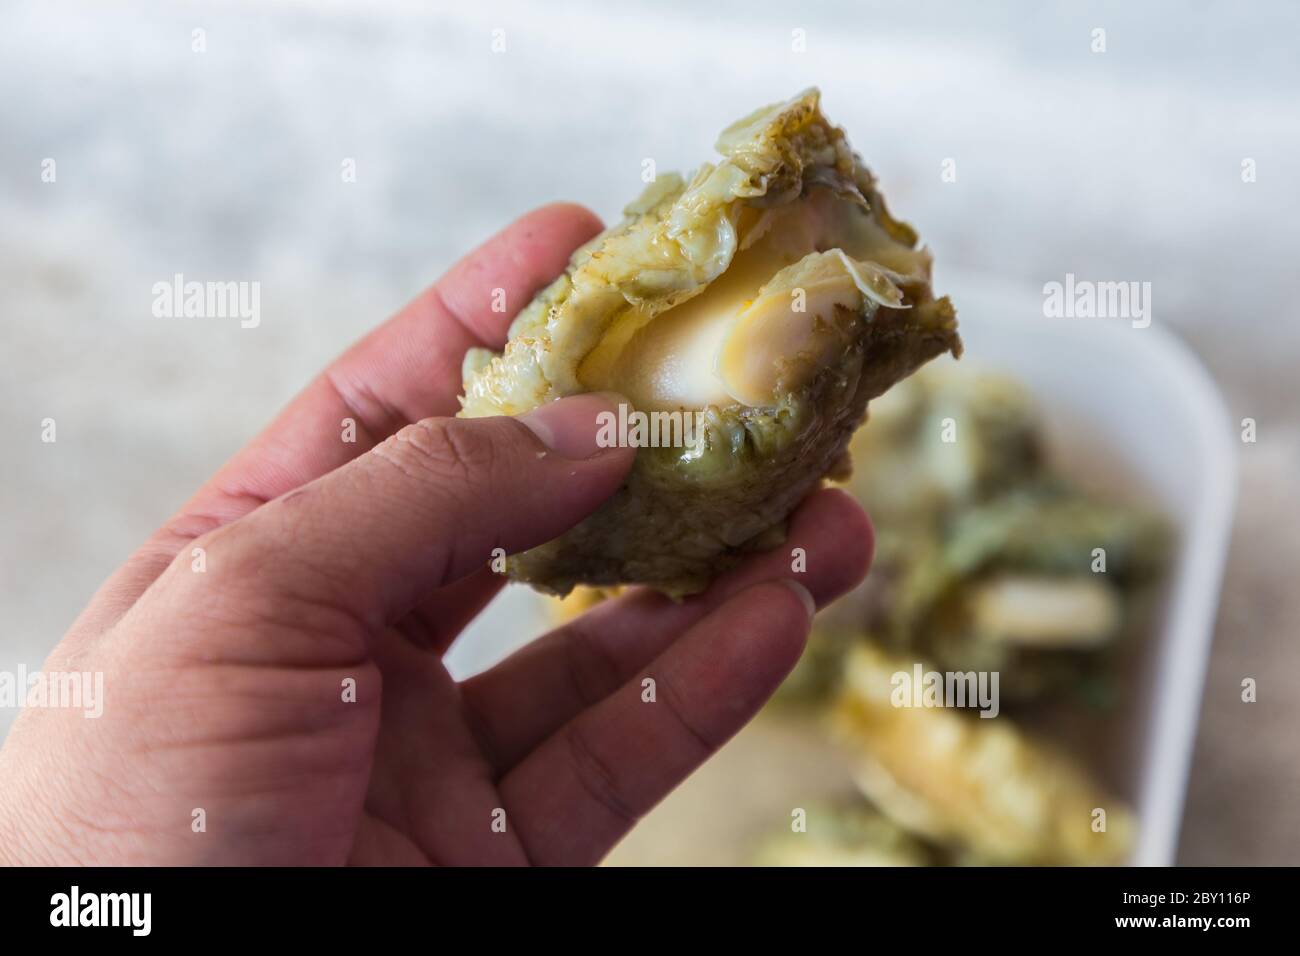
(225, 163)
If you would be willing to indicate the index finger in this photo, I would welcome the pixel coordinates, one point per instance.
(405, 370)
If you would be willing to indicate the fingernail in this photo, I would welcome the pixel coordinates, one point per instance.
(803, 594)
(574, 427)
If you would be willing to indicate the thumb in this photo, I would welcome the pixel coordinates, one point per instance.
(423, 509)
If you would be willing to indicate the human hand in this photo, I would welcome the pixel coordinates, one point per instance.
(326, 562)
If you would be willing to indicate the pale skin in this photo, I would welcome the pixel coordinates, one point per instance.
(328, 562)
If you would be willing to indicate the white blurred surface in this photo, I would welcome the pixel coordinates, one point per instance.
(225, 165)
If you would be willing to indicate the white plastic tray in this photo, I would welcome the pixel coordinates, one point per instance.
(1130, 411)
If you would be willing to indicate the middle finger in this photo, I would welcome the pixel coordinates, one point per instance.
(525, 698)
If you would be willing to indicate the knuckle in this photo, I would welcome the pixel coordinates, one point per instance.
(596, 776)
(442, 449)
(690, 729)
(592, 670)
